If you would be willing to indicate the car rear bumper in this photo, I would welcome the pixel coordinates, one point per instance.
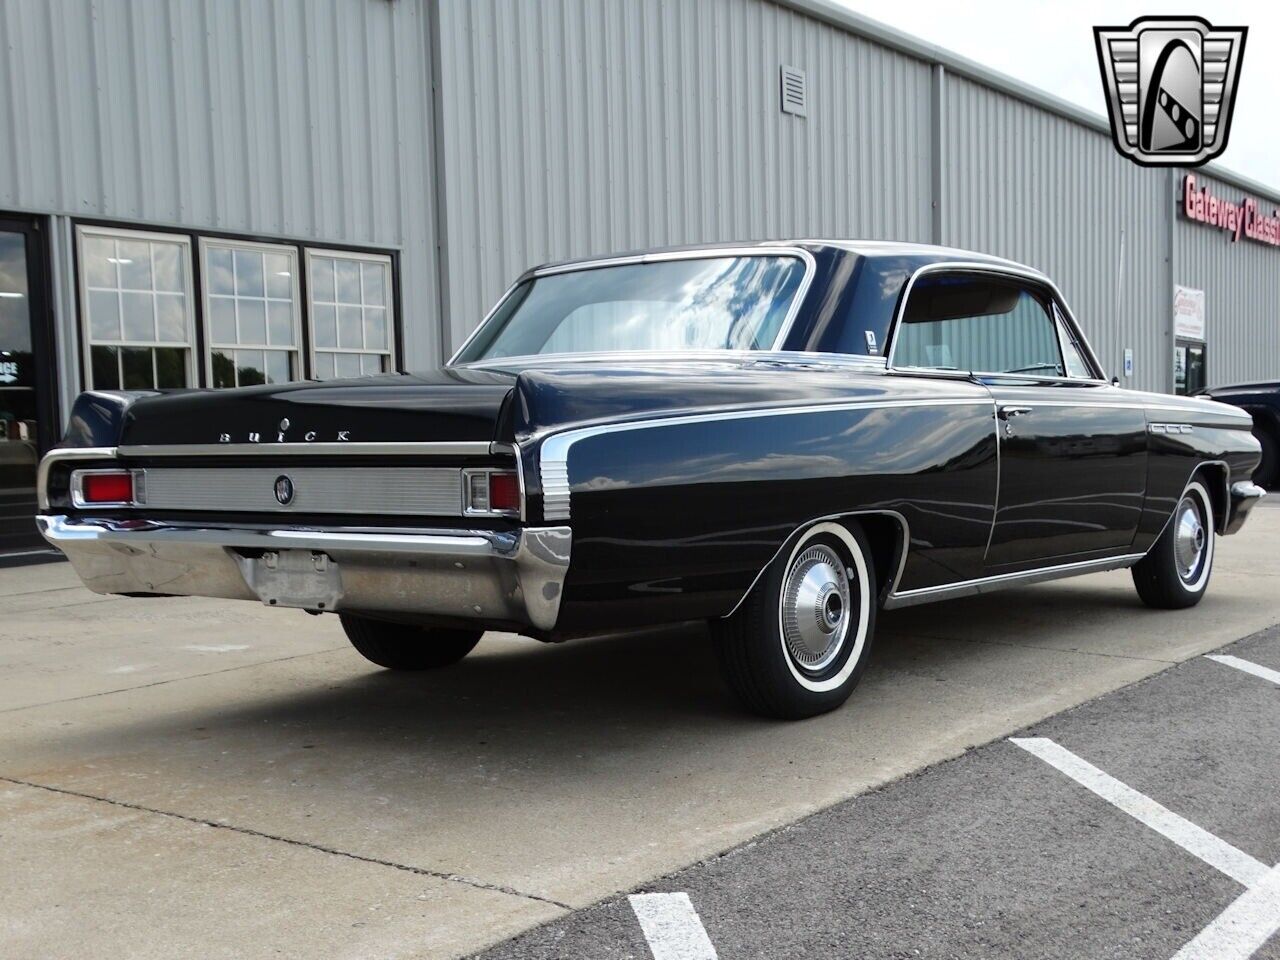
(493, 577)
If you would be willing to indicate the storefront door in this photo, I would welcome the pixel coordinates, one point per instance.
(1188, 367)
(27, 419)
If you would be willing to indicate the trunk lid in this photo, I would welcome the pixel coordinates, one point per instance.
(454, 405)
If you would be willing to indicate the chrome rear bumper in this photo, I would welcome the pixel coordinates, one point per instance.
(484, 575)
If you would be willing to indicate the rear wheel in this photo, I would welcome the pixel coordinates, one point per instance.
(1175, 572)
(799, 643)
(1268, 473)
(402, 646)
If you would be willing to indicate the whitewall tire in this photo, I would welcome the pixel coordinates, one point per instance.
(1175, 572)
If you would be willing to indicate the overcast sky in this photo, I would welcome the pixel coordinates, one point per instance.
(1050, 45)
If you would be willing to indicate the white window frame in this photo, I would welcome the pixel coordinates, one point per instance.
(87, 341)
(309, 253)
(287, 249)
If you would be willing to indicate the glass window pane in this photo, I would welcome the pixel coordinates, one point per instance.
(278, 367)
(106, 368)
(138, 374)
(279, 275)
(104, 315)
(250, 367)
(375, 283)
(375, 328)
(324, 366)
(224, 369)
(326, 330)
(322, 279)
(349, 327)
(171, 318)
(171, 367)
(218, 268)
(249, 273)
(253, 321)
(167, 259)
(222, 319)
(346, 364)
(370, 363)
(138, 311)
(348, 274)
(99, 266)
(280, 321)
(134, 260)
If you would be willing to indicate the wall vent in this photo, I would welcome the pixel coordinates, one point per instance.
(795, 92)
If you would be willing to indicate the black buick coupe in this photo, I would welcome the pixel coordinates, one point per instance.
(777, 438)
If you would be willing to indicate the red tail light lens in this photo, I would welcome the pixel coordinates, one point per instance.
(106, 487)
(504, 492)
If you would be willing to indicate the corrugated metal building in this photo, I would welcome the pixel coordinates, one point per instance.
(210, 192)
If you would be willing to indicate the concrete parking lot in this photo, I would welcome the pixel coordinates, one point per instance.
(187, 774)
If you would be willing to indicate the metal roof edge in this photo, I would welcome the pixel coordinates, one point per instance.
(838, 15)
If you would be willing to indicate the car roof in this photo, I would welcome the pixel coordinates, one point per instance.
(923, 252)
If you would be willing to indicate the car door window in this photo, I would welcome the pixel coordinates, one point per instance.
(978, 324)
(1072, 355)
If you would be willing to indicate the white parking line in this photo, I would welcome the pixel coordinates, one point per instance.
(1236, 864)
(672, 926)
(1241, 928)
(216, 647)
(1256, 669)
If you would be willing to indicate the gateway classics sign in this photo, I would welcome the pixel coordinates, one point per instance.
(1244, 219)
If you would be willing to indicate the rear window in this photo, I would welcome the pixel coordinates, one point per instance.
(709, 303)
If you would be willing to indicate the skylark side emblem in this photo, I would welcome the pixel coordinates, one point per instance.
(1170, 84)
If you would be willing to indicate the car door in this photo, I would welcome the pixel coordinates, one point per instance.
(1072, 452)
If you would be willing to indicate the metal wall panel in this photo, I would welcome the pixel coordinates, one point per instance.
(1241, 284)
(576, 127)
(300, 119)
(1023, 183)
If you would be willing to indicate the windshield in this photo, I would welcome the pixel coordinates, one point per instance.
(709, 303)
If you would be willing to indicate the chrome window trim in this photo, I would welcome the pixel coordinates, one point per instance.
(706, 253)
(1025, 274)
(553, 460)
(798, 357)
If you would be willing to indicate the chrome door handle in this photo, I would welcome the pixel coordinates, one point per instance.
(1008, 413)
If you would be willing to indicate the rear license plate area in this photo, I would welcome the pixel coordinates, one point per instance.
(306, 579)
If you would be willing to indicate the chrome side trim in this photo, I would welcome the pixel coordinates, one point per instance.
(969, 588)
(477, 448)
(1170, 428)
(57, 456)
(483, 575)
(554, 455)
(1018, 273)
(902, 552)
(704, 253)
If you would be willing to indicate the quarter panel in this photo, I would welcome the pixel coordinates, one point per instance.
(674, 521)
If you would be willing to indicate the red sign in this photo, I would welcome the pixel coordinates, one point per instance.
(1238, 219)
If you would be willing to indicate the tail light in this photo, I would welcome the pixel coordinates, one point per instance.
(491, 493)
(108, 488)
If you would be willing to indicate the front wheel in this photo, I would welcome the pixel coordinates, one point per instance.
(799, 643)
(402, 646)
(1175, 572)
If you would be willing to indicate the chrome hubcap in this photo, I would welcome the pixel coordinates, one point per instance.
(1190, 539)
(815, 607)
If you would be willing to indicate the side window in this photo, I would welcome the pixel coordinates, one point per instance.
(978, 324)
(1072, 355)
